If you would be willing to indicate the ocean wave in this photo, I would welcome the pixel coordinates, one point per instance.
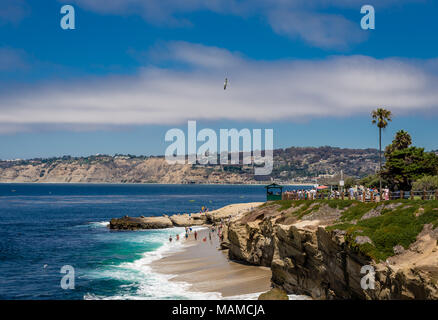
(141, 282)
(99, 224)
(147, 283)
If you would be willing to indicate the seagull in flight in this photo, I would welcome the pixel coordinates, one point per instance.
(225, 83)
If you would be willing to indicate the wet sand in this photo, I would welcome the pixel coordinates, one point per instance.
(208, 269)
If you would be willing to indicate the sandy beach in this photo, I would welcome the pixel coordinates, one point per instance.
(208, 269)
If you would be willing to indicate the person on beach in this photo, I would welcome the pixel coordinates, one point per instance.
(209, 235)
(196, 235)
(187, 235)
(177, 237)
(170, 238)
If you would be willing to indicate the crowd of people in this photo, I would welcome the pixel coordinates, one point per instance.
(356, 192)
(301, 194)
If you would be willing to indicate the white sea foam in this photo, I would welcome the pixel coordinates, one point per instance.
(254, 296)
(147, 284)
(99, 224)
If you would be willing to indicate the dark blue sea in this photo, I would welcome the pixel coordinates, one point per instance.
(44, 227)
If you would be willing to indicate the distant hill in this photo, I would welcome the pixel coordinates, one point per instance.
(290, 165)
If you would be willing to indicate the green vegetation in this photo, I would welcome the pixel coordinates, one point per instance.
(397, 225)
(357, 210)
(389, 224)
(372, 181)
(381, 117)
(305, 208)
(338, 203)
(428, 183)
(405, 164)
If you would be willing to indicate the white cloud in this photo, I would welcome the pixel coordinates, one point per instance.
(258, 91)
(312, 21)
(320, 30)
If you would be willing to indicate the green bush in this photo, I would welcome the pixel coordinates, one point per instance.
(428, 183)
(395, 226)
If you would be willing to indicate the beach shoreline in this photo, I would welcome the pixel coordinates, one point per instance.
(206, 268)
(202, 264)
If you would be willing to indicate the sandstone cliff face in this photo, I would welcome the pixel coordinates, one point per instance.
(306, 258)
(113, 170)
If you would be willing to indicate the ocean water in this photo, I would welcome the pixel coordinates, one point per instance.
(46, 226)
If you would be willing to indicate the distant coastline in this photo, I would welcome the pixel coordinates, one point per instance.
(297, 166)
(158, 184)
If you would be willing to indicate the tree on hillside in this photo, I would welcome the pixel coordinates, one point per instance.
(406, 164)
(371, 181)
(428, 183)
(381, 117)
(402, 141)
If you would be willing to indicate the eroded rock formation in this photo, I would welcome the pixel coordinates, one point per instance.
(131, 223)
(308, 258)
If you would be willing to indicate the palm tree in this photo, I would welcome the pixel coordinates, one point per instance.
(381, 117)
(402, 140)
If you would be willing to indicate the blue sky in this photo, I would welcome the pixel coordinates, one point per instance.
(131, 70)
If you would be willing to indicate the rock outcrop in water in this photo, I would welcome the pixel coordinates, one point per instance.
(130, 223)
(314, 249)
(182, 220)
(186, 220)
(274, 294)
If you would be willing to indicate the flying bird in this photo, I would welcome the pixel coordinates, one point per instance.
(225, 83)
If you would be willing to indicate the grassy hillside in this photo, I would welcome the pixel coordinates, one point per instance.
(387, 224)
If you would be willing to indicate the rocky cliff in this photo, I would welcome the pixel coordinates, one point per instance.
(289, 164)
(319, 248)
(105, 169)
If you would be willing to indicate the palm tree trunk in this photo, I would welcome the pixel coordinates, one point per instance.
(380, 161)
